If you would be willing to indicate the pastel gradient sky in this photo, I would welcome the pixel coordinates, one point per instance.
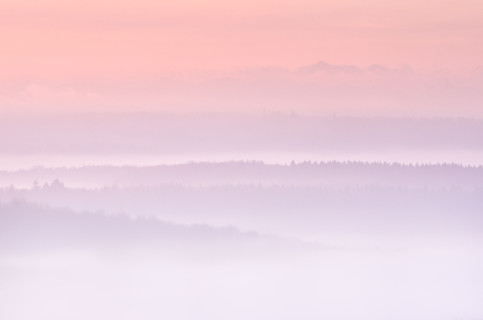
(61, 48)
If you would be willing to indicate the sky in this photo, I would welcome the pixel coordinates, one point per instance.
(97, 54)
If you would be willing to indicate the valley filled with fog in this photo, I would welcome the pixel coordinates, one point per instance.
(242, 239)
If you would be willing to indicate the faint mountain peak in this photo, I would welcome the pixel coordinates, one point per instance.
(324, 67)
(377, 68)
(478, 71)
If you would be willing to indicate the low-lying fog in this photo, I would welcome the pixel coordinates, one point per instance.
(81, 265)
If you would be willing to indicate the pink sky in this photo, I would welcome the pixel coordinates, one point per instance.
(48, 38)
(56, 52)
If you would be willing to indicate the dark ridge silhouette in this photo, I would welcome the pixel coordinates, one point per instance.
(241, 133)
(26, 227)
(335, 174)
(284, 209)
